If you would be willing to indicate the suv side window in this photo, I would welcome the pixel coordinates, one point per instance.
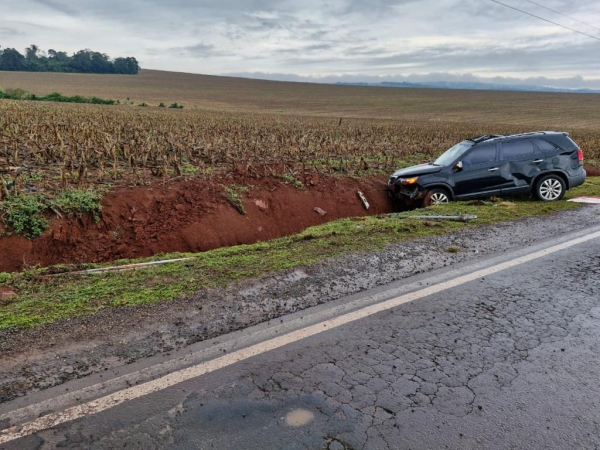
(516, 150)
(545, 146)
(481, 154)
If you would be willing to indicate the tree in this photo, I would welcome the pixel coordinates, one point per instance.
(101, 63)
(84, 61)
(31, 52)
(58, 61)
(11, 59)
(126, 65)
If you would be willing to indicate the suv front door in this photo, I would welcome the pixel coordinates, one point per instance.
(480, 174)
(520, 161)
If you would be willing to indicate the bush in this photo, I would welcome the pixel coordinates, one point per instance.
(20, 94)
(23, 214)
(77, 202)
(162, 105)
(16, 94)
(176, 106)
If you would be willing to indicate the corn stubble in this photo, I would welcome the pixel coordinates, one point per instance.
(56, 147)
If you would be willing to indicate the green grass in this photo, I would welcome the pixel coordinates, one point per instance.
(45, 299)
(291, 179)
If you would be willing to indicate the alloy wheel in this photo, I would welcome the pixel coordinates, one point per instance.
(551, 189)
(438, 198)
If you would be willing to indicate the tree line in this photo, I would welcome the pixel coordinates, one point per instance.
(83, 61)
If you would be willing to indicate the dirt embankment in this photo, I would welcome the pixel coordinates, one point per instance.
(192, 216)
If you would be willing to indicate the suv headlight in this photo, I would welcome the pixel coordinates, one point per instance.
(407, 181)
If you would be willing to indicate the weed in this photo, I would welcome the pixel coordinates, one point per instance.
(232, 195)
(76, 202)
(291, 179)
(23, 215)
(33, 176)
(188, 169)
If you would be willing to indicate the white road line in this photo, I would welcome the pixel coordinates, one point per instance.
(76, 412)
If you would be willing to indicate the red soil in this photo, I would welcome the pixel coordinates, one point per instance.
(592, 171)
(191, 216)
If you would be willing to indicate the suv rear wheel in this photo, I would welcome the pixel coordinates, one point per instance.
(436, 196)
(550, 188)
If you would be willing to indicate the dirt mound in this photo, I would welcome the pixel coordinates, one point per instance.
(192, 216)
(592, 171)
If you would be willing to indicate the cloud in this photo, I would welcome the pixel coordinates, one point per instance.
(200, 50)
(314, 38)
(57, 6)
(7, 31)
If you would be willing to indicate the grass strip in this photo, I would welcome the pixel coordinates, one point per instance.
(42, 300)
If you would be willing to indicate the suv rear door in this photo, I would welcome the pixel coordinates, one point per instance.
(480, 175)
(520, 161)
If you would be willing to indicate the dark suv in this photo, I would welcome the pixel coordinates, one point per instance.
(544, 164)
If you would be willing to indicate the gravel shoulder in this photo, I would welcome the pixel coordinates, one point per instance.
(50, 355)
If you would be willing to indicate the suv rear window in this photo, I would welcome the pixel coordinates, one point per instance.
(515, 150)
(481, 154)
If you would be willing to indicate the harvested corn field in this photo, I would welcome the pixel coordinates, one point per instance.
(136, 181)
(49, 147)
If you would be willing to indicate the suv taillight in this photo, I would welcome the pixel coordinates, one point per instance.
(580, 155)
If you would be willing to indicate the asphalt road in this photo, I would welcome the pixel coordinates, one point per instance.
(510, 360)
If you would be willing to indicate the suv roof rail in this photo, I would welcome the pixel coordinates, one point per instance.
(485, 137)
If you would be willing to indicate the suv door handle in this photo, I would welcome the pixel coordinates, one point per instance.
(537, 161)
(493, 169)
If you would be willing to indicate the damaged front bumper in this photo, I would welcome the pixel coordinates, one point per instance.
(406, 194)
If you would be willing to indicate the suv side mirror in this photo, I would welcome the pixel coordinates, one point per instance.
(458, 166)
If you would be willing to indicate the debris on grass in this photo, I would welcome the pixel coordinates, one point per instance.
(6, 293)
(507, 204)
(363, 199)
(459, 218)
(590, 200)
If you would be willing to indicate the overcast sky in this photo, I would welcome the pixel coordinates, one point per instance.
(350, 39)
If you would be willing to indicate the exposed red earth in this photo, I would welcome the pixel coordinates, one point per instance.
(592, 171)
(192, 216)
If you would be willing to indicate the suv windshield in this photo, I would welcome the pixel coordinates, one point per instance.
(452, 154)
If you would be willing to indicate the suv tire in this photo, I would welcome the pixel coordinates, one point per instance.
(436, 196)
(549, 188)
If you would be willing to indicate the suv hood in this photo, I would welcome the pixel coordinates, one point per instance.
(412, 171)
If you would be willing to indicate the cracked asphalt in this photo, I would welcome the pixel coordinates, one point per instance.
(506, 362)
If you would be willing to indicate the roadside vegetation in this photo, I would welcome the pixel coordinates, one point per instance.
(43, 299)
(25, 215)
(20, 94)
